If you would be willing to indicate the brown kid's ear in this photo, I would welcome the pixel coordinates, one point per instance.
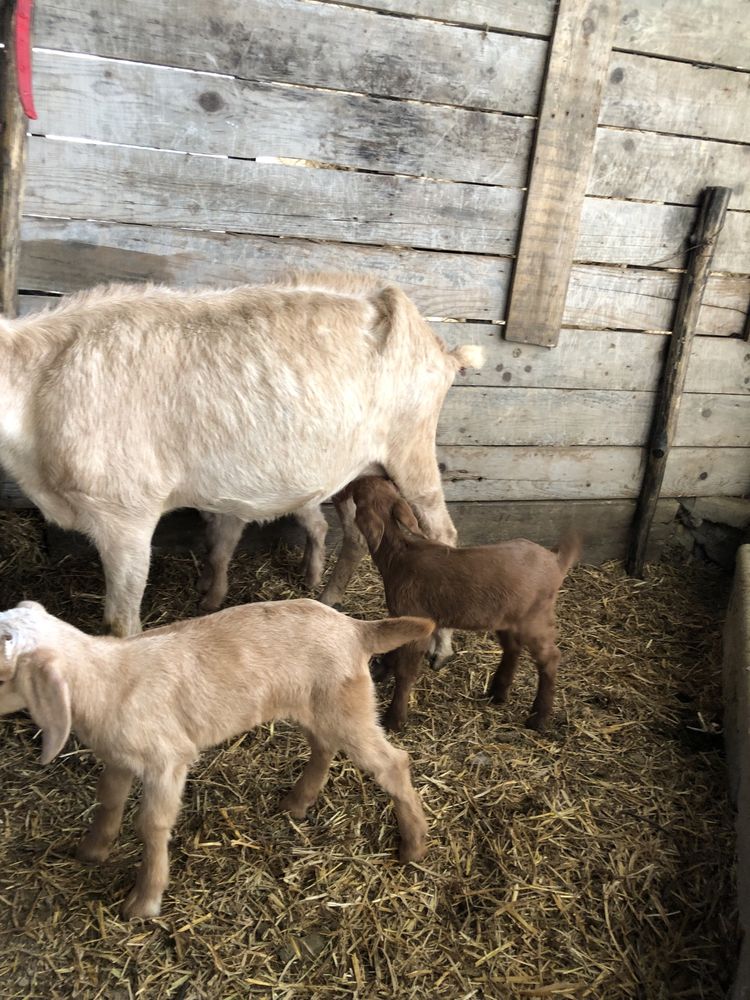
(405, 516)
(371, 527)
(48, 700)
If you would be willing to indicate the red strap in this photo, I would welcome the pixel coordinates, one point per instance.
(23, 56)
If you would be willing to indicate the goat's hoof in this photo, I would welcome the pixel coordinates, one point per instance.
(393, 723)
(496, 697)
(92, 853)
(437, 660)
(137, 905)
(295, 808)
(412, 852)
(208, 606)
(536, 722)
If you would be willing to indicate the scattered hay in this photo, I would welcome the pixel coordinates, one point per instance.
(595, 861)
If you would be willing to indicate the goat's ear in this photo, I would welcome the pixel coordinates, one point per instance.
(48, 701)
(405, 516)
(371, 526)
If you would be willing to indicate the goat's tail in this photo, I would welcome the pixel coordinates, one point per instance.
(390, 633)
(467, 356)
(569, 550)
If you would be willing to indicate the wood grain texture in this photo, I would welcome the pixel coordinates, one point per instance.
(146, 186)
(655, 167)
(561, 161)
(344, 48)
(69, 255)
(644, 299)
(663, 96)
(484, 474)
(623, 232)
(60, 255)
(599, 359)
(712, 31)
(125, 184)
(583, 417)
(141, 105)
(532, 16)
(12, 165)
(664, 426)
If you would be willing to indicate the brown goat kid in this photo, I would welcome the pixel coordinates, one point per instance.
(509, 588)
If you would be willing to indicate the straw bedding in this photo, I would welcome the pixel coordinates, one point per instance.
(593, 861)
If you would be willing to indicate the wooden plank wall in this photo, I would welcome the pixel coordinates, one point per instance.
(213, 143)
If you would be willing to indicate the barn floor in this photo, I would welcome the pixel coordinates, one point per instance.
(594, 861)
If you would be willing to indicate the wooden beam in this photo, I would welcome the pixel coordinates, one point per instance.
(578, 59)
(710, 220)
(12, 162)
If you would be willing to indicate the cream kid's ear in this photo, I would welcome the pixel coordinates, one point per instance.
(48, 700)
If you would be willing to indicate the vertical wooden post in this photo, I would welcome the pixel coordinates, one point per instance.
(711, 214)
(12, 164)
(564, 147)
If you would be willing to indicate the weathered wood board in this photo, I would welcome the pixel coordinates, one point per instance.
(712, 31)
(126, 184)
(664, 96)
(534, 17)
(632, 164)
(344, 48)
(599, 359)
(144, 186)
(563, 149)
(483, 474)
(567, 417)
(64, 256)
(142, 105)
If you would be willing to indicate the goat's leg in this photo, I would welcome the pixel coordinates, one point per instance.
(406, 664)
(418, 478)
(501, 682)
(125, 552)
(353, 548)
(313, 521)
(547, 657)
(162, 794)
(369, 749)
(310, 783)
(112, 792)
(223, 532)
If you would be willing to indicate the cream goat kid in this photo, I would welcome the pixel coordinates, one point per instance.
(148, 705)
(126, 402)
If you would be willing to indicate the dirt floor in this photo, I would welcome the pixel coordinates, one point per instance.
(593, 861)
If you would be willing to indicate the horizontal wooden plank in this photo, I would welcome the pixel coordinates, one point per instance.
(664, 96)
(69, 255)
(587, 473)
(65, 256)
(625, 232)
(584, 417)
(712, 31)
(597, 359)
(533, 16)
(544, 521)
(656, 167)
(141, 105)
(344, 48)
(643, 299)
(124, 184)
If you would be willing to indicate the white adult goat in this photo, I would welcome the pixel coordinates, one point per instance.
(126, 402)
